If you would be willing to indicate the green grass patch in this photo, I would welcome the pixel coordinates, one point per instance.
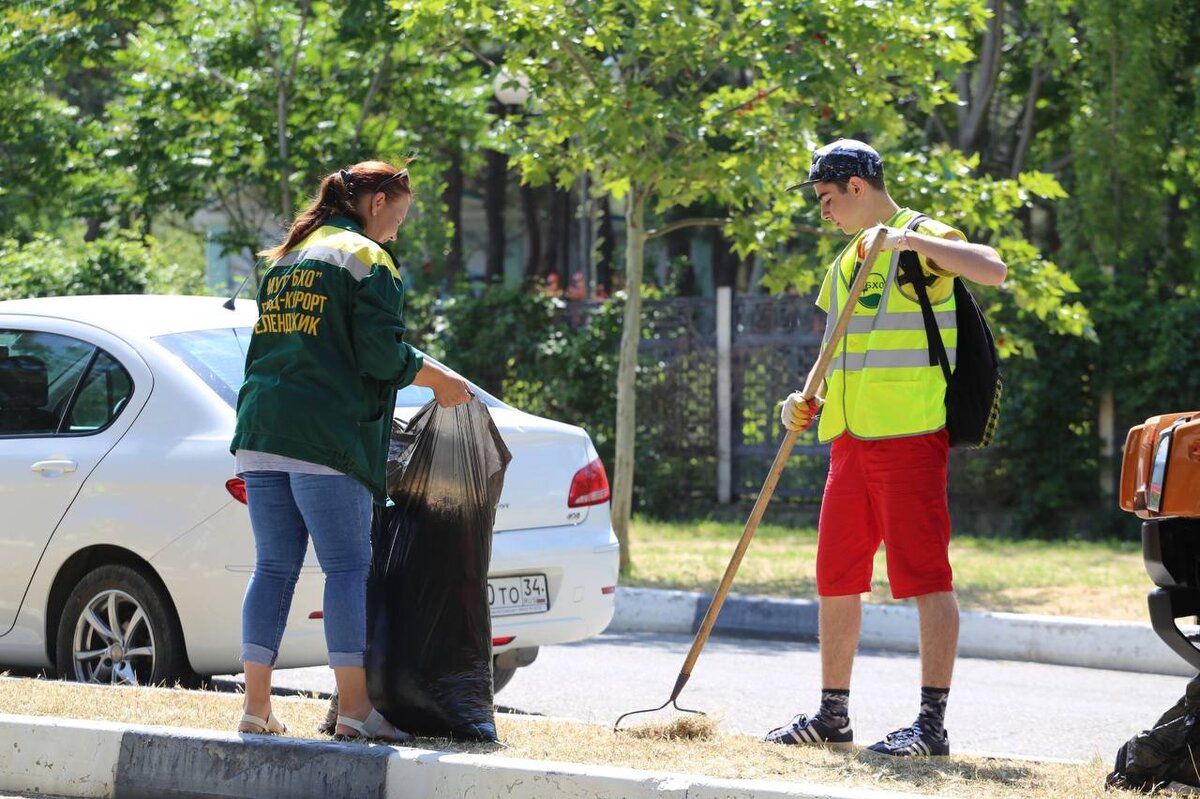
(1067, 578)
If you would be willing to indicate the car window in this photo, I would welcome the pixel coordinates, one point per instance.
(101, 396)
(218, 357)
(38, 375)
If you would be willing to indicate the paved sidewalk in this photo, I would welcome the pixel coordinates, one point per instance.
(1061, 640)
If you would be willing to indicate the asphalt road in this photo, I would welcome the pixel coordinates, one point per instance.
(996, 707)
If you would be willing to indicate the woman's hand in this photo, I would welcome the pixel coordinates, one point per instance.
(452, 390)
(449, 388)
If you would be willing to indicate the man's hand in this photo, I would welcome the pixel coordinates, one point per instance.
(894, 238)
(797, 413)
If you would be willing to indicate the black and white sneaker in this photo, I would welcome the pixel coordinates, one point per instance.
(914, 741)
(803, 730)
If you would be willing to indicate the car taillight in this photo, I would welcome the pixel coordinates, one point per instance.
(503, 640)
(589, 486)
(236, 487)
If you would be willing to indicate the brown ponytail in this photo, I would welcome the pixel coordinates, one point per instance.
(339, 195)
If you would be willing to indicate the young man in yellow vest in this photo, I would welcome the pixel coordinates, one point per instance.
(884, 410)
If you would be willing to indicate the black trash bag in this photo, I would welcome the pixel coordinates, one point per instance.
(1169, 752)
(429, 628)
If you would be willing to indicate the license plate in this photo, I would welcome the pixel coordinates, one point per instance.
(510, 596)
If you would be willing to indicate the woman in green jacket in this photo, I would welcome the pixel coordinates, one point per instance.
(313, 420)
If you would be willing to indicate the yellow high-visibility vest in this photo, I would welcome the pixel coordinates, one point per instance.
(881, 383)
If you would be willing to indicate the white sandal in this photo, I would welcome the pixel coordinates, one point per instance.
(268, 726)
(368, 729)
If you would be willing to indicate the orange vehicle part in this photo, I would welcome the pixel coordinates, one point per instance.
(1174, 489)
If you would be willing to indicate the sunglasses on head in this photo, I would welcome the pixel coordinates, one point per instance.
(348, 177)
(383, 184)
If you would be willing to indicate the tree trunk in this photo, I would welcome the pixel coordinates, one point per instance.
(725, 262)
(494, 197)
(978, 98)
(452, 197)
(550, 234)
(285, 169)
(494, 200)
(94, 226)
(282, 103)
(608, 246)
(557, 246)
(679, 249)
(533, 233)
(1025, 138)
(631, 334)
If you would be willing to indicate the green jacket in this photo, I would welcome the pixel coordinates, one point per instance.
(327, 356)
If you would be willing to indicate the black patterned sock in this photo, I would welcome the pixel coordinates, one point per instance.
(932, 717)
(835, 707)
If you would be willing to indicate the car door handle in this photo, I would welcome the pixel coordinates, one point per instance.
(56, 465)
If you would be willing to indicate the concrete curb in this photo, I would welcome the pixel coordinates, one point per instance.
(102, 760)
(1061, 640)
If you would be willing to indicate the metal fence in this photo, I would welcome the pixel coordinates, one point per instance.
(715, 420)
(711, 374)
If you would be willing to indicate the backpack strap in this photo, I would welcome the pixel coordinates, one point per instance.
(910, 265)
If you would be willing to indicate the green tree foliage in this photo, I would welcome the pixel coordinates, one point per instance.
(1101, 98)
(57, 74)
(132, 110)
(118, 264)
(248, 104)
(1061, 132)
(1130, 229)
(670, 104)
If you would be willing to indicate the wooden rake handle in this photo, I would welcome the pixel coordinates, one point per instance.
(811, 386)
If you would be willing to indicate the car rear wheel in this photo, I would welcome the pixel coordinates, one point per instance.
(119, 628)
(505, 665)
(501, 677)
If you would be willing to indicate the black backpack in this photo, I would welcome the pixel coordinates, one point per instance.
(973, 389)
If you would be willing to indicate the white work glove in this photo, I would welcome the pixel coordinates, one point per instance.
(797, 413)
(894, 238)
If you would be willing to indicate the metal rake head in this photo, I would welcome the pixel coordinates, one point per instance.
(671, 701)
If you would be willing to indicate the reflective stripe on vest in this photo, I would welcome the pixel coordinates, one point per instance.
(335, 246)
(881, 383)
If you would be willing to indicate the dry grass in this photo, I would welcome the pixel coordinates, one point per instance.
(684, 727)
(686, 745)
(1065, 578)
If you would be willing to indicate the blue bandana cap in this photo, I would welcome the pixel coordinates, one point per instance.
(844, 158)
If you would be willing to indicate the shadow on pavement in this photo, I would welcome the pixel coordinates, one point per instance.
(226, 685)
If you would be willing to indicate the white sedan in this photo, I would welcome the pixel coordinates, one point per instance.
(124, 539)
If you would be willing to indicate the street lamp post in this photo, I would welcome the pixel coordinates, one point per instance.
(511, 91)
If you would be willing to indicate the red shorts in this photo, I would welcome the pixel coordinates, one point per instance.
(891, 490)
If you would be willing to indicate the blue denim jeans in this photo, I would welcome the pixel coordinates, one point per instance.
(285, 509)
